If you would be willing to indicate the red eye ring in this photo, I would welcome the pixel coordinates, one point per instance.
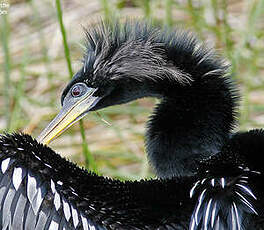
(76, 91)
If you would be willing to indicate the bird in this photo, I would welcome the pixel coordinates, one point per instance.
(126, 61)
(206, 180)
(41, 190)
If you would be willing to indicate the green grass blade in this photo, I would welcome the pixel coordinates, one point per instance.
(64, 37)
(106, 9)
(147, 8)
(89, 160)
(87, 154)
(168, 13)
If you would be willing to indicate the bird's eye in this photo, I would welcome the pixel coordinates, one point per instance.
(77, 90)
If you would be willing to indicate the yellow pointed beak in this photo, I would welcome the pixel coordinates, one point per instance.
(72, 111)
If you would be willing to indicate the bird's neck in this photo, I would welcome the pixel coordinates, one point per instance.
(189, 124)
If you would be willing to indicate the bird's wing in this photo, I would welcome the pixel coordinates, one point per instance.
(41, 190)
(27, 201)
(223, 203)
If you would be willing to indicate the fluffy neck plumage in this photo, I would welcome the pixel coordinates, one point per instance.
(190, 123)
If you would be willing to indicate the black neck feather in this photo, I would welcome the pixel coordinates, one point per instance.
(191, 123)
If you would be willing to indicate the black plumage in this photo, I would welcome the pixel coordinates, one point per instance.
(208, 179)
(41, 190)
(231, 184)
(106, 203)
(128, 61)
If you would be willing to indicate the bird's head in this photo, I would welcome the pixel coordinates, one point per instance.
(123, 62)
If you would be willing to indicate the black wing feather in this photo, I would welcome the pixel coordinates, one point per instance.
(41, 190)
(229, 192)
(29, 202)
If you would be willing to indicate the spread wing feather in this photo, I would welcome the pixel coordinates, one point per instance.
(29, 202)
(222, 203)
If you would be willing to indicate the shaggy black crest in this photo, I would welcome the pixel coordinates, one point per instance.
(139, 51)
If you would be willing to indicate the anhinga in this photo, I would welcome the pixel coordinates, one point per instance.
(210, 178)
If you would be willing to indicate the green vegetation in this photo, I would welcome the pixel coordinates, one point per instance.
(36, 60)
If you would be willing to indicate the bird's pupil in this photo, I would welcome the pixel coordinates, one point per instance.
(76, 91)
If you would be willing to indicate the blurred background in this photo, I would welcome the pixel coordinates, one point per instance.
(34, 70)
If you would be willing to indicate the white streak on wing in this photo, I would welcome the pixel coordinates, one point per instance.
(213, 182)
(192, 224)
(8, 225)
(66, 210)
(246, 202)
(223, 182)
(201, 196)
(198, 207)
(6, 218)
(92, 227)
(38, 157)
(237, 216)
(42, 219)
(247, 190)
(243, 199)
(207, 214)
(47, 165)
(74, 193)
(233, 218)
(217, 225)
(244, 177)
(4, 165)
(213, 215)
(84, 223)
(31, 187)
(196, 213)
(193, 188)
(52, 185)
(74, 216)
(53, 225)
(17, 177)
(37, 201)
(57, 201)
(18, 215)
